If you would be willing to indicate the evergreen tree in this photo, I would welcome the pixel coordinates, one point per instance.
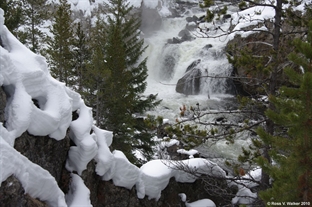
(96, 71)
(210, 14)
(13, 14)
(61, 44)
(292, 180)
(264, 70)
(35, 15)
(81, 57)
(126, 82)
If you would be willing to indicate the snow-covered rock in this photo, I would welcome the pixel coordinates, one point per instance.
(155, 175)
(79, 194)
(36, 181)
(43, 106)
(201, 203)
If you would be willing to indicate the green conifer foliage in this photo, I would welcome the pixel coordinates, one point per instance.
(292, 153)
(210, 14)
(81, 57)
(123, 87)
(13, 14)
(96, 73)
(35, 14)
(60, 46)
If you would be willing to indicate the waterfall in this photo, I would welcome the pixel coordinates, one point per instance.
(171, 57)
(172, 50)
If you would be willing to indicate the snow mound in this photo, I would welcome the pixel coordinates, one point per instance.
(155, 175)
(122, 172)
(86, 147)
(44, 110)
(79, 194)
(201, 203)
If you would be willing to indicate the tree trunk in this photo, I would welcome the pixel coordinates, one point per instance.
(265, 179)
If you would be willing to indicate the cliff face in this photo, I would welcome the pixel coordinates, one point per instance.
(51, 155)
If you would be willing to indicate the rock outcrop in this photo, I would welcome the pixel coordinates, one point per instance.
(51, 155)
(12, 194)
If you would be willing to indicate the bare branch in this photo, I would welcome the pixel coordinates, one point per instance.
(215, 181)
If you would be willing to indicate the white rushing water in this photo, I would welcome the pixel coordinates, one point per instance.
(213, 63)
(162, 82)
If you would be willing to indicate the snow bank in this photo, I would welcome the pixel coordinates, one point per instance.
(190, 153)
(122, 172)
(104, 157)
(201, 203)
(244, 194)
(78, 194)
(44, 110)
(168, 143)
(250, 17)
(86, 147)
(155, 175)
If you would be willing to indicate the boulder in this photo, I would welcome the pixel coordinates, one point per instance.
(174, 40)
(193, 65)
(192, 19)
(226, 16)
(189, 84)
(191, 26)
(185, 35)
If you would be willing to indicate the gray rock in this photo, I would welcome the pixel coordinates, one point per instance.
(12, 194)
(2, 104)
(193, 65)
(189, 84)
(191, 26)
